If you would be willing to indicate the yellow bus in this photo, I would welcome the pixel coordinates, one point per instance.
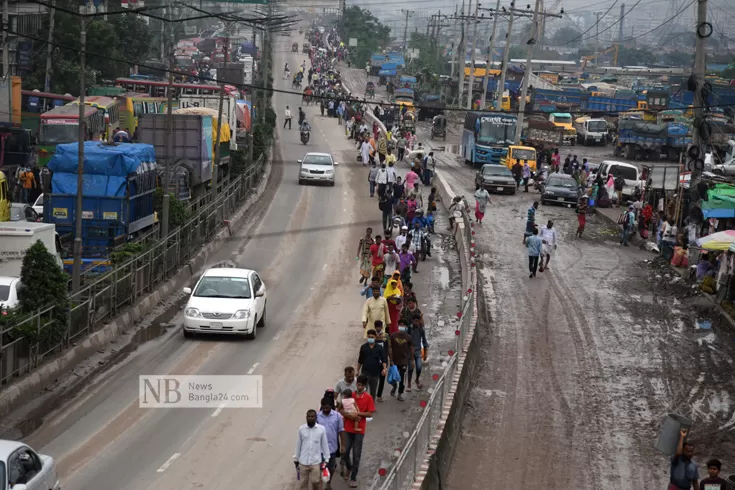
(109, 107)
(135, 105)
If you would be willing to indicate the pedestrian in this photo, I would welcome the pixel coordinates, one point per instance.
(390, 258)
(482, 199)
(517, 171)
(411, 309)
(418, 241)
(526, 175)
(354, 437)
(364, 257)
(683, 471)
(334, 426)
(385, 204)
(428, 164)
(372, 362)
(392, 176)
(401, 209)
(312, 450)
(371, 178)
(556, 160)
(713, 482)
(530, 221)
(411, 206)
(628, 225)
(548, 237)
(393, 296)
(534, 244)
(420, 349)
(381, 179)
(287, 118)
(401, 146)
(407, 261)
(374, 309)
(398, 192)
(348, 382)
(381, 339)
(411, 178)
(401, 239)
(581, 215)
(400, 351)
(618, 184)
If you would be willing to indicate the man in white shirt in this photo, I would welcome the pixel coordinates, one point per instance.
(391, 173)
(548, 237)
(401, 239)
(382, 179)
(287, 120)
(312, 449)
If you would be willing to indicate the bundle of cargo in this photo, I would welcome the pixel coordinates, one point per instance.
(642, 127)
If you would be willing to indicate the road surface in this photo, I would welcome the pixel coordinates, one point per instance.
(579, 365)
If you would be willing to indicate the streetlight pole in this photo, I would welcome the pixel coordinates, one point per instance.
(405, 31)
(486, 81)
(472, 58)
(527, 75)
(500, 89)
(77, 267)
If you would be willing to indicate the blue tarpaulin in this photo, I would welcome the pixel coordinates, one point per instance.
(387, 73)
(106, 167)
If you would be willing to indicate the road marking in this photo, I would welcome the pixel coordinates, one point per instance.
(168, 463)
(252, 369)
(219, 410)
(278, 336)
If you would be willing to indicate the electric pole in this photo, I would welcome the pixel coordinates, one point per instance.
(218, 152)
(500, 89)
(597, 35)
(454, 48)
(461, 58)
(472, 58)
(533, 39)
(405, 31)
(6, 46)
(49, 46)
(486, 81)
(700, 58)
(168, 53)
(77, 267)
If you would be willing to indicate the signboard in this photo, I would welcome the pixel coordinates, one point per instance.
(61, 122)
(24, 55)
(353, 42)
(229, 107)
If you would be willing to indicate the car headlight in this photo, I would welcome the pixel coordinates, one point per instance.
(303, 171)
(329, 172)
(192, 312)
(550, 193)
(241, 315)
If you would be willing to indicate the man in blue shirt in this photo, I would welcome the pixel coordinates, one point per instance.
(334, 425)
(534, 245)
(684, 473)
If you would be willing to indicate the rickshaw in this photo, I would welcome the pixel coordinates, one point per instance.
(306, 48)
(370, 90)
(295, 48)
(408, 122)
(308, 93)
(439, 127)
(297, 80)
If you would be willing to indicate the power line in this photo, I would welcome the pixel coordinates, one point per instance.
(593, 25)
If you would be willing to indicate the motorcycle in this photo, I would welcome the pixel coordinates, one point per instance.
(305, 136)
(539, 180)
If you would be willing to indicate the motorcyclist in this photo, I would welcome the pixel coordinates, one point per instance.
(304, 126)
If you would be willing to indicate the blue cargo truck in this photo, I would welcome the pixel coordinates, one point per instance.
(611, 105)
(641, 140)
(119, 184)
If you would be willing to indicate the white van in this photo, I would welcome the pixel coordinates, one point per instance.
(630, 173)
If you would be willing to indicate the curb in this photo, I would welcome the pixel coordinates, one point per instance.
(38, 381)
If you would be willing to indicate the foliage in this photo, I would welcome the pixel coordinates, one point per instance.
(270, 117)
(362, 25)
(238, 162)
(127, 252)
(178, 213)
(564, 36)
(262, 138)
(124, 36)
(430, 60)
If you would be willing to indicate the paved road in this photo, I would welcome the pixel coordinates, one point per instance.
(579, 365)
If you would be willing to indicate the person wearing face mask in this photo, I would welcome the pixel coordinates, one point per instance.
(312, 449)
(382, 179)
(420, 347)
(334, 425)
(354, 437)
(400, 352)
(372, 362)
(381, 339)
(374, 309)
(392, 177)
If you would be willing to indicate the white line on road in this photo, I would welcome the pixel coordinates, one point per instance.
(168, 463)
(278, 336)
(218, 411)
(252, 369)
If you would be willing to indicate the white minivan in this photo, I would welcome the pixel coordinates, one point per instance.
(630, 173)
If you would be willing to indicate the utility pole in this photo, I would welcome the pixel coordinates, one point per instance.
(472, 58)
(533, 39)
(500, 89)
(700, 57)
(6, 46)
(620, 21)
(77, 268)
(49, 46)
(461, 58)
(597, 34)
(486, 81)
(266, 64)
(168, 53)
(218, 152)
(454, 48)
(405, 31)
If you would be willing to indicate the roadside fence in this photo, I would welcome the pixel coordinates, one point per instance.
(101, 298)
(403, 474)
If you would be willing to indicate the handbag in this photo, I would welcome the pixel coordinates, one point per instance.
(393, 375)
(325, 473)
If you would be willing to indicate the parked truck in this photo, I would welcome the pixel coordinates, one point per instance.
(591, 131)
(541, 133)
(192, 159)
(563, 120)
(229, 111)
(641, 140)
(16, 237)
(119, 184)
(611, 105)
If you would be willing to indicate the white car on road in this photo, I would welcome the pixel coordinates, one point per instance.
(21, 468)
(226, 301)
(317, 167)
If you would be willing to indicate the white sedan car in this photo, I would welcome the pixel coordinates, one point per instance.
(21, 468)
(226, 301)
(317, 167)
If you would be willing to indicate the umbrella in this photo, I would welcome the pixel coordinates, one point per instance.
(717, 241)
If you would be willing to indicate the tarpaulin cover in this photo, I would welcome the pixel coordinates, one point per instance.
(106, 167)
(387, 73)
(243, 114)
(720, 202)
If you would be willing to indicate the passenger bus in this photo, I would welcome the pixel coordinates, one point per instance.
(61, 125)
(135, 105)
(109, 107)
(157, 88)
(105, 90)
(34, 103)
(487, 136)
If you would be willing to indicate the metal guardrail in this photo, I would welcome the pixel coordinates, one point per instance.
(103, 297)
(403, 474)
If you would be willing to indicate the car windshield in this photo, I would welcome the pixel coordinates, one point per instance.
(563, 119)
(524, 155)
(318, 160)
(492, 132)
(4, 292)
(566, 183)
(628, 173)
(223, 287)
(597, 126)
(496, 170)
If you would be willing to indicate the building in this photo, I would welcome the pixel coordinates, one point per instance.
(25, 19)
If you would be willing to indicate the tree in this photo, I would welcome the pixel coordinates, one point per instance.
(565, 35)
(371, 35)
(430, 60)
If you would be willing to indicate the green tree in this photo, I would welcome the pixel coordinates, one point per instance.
(430, 59)
(564, 36)
(371, 35)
